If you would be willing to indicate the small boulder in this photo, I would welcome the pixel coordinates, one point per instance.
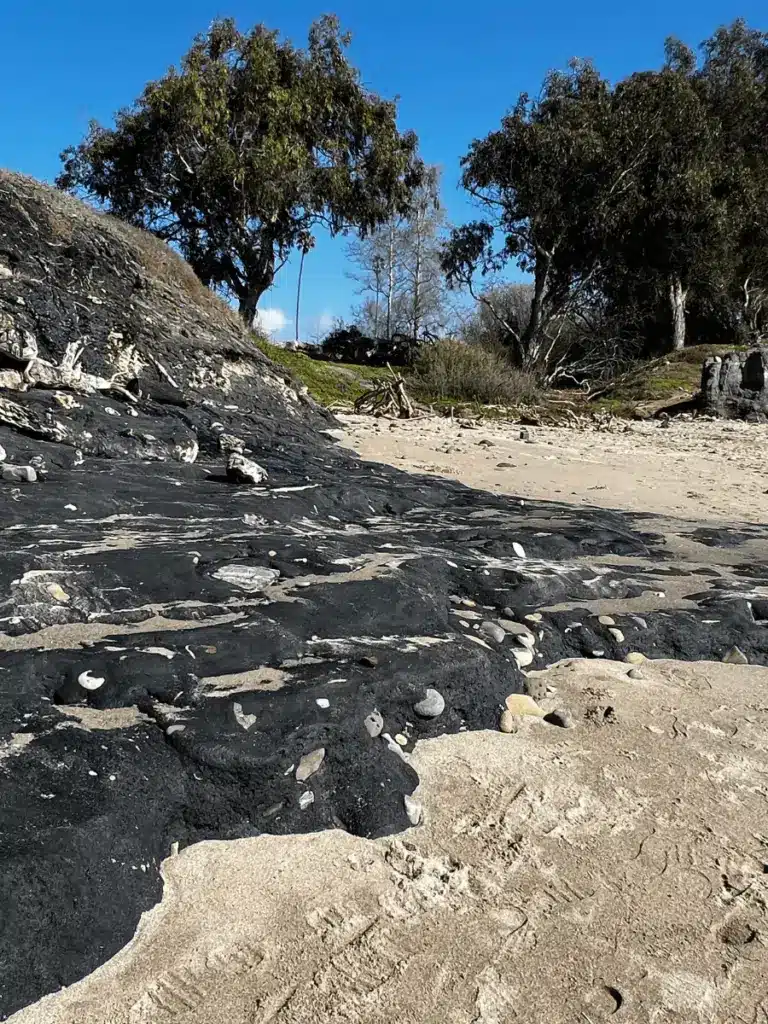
(19, 474)
(244, 471)
(432, 705)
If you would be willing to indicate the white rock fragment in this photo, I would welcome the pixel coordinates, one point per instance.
(174, 728)
(374, 724)
(735, 656)
(323, 702)
(518, 549)
(163, 652)
(432, 704)
(306, 800)
(245, 471)
(242, 719)
(523, 657)
(413, 809)
(309, 764)
(252, 578)
(89, 682)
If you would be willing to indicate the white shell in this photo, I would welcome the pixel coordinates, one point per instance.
(89, 682)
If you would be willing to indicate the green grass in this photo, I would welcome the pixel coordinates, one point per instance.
(670, 379)
(327, 383)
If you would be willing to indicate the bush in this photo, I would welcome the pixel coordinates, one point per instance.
(473, 373)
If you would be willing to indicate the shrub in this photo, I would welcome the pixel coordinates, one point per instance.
(473, 373)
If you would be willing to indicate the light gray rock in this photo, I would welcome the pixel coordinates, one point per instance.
(735, 657)
(18, 474)
(413, 809)
(2, 454)
(617, 635)
(432, 705)
(561, 718)
(253, 578)
(374, 724)
(523, 657)
(515, 628)
(309, 764)
(494, 631)
(245, 471)
(242, 719)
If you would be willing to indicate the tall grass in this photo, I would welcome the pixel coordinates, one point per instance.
(473, 373)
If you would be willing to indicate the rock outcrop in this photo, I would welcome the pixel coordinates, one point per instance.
(736, 386)
(190, 650)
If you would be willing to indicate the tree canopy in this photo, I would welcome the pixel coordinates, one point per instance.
(239, 154)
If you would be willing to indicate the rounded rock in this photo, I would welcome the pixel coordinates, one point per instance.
(635, 673)
(523, 656)
(735, 656)
(507, 722)
(432, 705)
(617, 635)
(606, 620)
(413, 809)
(635, 658)
(494, 631)
(522, 704)
(374, 724)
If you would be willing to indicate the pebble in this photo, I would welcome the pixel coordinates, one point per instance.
(635, 673)
(507, 722)
(606, 620)
(523, 657)
(515, 628)
(635, 658)
(617, 635)
(522, 704)
(518, 549)
(560, 717)
(374, 724)
(306, 800)
(494, 631)
(525, 640)
(534, 617)
(369, 660)
(309, 764)
(174, 728)
(432, 705)
(2, 454)
(323, 702)
(401, 740)
(525, 435)
(242, 719)
(19, 474)
(413, 809)
(244, 471)
(89, 682)
(735, 657)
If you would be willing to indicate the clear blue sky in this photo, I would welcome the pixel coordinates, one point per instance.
(456, 66)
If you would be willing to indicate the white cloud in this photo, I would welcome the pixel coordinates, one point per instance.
(325, 322)
(272, 320)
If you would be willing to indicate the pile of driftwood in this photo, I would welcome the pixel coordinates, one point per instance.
(387, 398)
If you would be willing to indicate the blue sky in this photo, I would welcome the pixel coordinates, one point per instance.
(457, 67)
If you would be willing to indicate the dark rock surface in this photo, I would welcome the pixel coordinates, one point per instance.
(173, 642)
(736, 385)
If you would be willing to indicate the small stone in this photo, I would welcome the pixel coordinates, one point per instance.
(413, 809)
(606, 620)
(309, 764)
(494, 631)
(523, 657)
(507, 722)
(323, 702)
(2, 454)
(524, 640)
(432, 705)
(57, 592)
(525, 434)
(617, 635)
(635, 658)
(369, 660)
(518, 549)
(515, 628)
(374, 724)
(244, 471)
(467, 602)
(174, 728)
(598, 654)
(454, 599)
(402, 741)
(19, 474)
(242, 719)
(534, 617)
(522, 704)
(561, 718)
(89, 682)
(635, 673)
(306, 800)
(735, 657)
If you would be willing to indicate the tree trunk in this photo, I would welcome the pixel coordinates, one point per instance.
(298, 292)
(533, 336)
(391, 278)
(258, 281)
(677, 296)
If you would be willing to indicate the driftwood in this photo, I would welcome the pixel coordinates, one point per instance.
(387, 398)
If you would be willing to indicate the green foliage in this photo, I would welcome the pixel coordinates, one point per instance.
(472, 373)
(237, 155)
(328, 383)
